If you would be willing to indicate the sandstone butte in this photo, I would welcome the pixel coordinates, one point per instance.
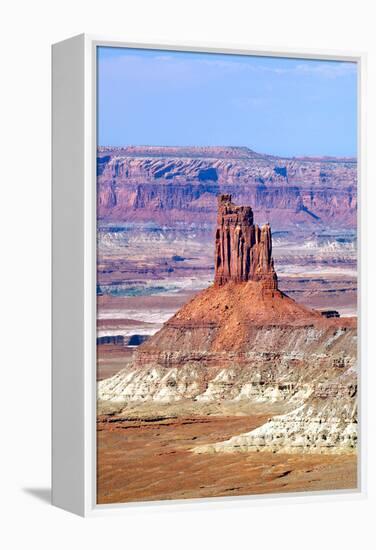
(243, 251)
(243, 341)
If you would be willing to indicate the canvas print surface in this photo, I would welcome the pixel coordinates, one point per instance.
(226, 275)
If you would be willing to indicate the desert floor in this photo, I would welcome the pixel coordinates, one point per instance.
(150, 459)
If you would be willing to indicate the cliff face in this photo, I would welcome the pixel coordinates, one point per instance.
(243, 251)
(181, 184)
(243, 340)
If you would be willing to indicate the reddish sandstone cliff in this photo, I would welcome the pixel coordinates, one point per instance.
(180, 184)
(243, 251)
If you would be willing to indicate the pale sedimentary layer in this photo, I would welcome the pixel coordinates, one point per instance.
(317, 392)
(320, 425)
(257, 381)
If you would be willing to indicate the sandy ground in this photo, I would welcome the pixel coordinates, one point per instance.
(111, 359)
(151, 460)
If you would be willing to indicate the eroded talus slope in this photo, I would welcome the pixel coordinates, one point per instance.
(213, 352)
(235, 326)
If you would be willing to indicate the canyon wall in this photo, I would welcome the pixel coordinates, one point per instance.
(180, 184)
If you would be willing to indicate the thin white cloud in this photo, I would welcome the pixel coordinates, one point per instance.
(328, 69)
(188, 70)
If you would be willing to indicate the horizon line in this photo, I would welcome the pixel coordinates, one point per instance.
(301, 156)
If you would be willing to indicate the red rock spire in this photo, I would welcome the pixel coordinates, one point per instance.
(243, 251)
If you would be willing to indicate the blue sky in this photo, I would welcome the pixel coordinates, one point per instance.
(272, 105)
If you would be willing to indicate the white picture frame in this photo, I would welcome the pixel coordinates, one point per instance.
(74, 275)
